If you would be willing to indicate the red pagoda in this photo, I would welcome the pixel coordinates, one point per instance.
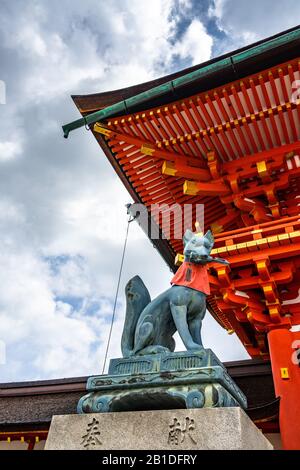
(225, 134)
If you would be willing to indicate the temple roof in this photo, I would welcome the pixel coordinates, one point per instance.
(234, 119)
(268, 53)
(226, 135)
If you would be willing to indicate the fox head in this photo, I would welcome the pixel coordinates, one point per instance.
(197, 247)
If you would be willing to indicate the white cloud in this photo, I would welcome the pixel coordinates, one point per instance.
(9, 150)
(216, 9)
(245, 22)
(195, 43)
(30, 41)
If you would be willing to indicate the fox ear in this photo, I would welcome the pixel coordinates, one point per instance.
(209, 236)
(187, 236)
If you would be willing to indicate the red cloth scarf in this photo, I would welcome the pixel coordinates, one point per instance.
(192, 275)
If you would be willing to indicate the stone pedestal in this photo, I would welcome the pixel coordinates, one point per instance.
(161, 382)
(193, 429)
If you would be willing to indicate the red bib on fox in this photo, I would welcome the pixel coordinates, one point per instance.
(192, 275)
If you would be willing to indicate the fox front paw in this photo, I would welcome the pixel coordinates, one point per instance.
(195, 347)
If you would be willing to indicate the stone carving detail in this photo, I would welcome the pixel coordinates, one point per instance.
(190, 388)
(182, 362)
(195, 399)
(133, 367)
(91, 438)
(163, 362)
(179, 431)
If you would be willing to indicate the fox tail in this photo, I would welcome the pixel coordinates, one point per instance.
(137, 298)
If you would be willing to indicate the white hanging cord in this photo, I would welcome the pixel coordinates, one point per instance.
(131, 219)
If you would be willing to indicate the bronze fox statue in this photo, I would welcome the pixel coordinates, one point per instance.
(150, 325)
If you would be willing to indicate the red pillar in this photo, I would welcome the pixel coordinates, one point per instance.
(283, 346)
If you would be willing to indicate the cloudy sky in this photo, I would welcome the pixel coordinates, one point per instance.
(62, 215)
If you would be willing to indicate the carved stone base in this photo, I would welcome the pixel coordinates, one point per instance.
(175, 430)
(163, 362)
(162, 381)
